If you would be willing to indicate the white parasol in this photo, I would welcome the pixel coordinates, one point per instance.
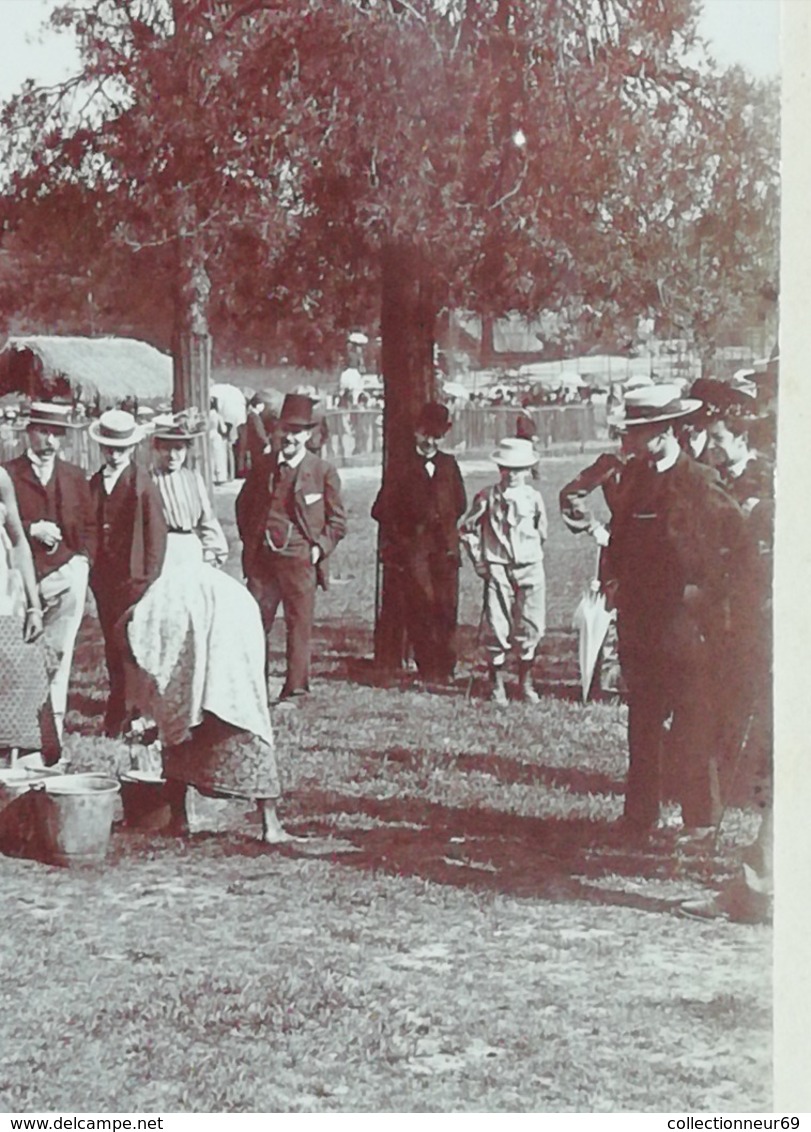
(230, 402)
(358, 338)
(456, 390)
(591, 619)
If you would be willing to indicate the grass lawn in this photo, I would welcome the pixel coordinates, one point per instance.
(466, 931)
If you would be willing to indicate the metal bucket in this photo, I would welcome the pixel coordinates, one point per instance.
(74, 817)
(145, 801)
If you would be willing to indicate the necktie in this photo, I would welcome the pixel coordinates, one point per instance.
(283, 473)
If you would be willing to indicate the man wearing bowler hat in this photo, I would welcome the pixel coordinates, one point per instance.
(290, 517)
(131, 546)
(54, 502)
(418, 511)
(676, 541)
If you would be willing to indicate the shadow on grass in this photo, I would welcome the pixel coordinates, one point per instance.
(509, 772)
(470, 682)
(553, 859)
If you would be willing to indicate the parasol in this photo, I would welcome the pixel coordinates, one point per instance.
(456, 390)
(230, 402)
(591, 619)
(273, 400)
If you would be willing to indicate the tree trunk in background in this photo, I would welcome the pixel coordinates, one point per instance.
(407, 326)
(191, 343)
(487, 350)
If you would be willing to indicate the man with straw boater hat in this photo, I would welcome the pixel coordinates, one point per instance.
(290, 517)
(131, 546)
(504, 532)
(676, 540)
(54, 503)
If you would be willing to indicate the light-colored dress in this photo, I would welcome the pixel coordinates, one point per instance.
(26, 717)
(197, 633)
(218, 447)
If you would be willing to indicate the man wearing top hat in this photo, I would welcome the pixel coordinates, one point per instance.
(418, 512)
(290, 517)
(676, 541)
(131, 546)
(54, 503)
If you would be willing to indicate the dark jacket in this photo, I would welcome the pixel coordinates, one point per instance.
(678, 542)
(318, 508)
(258, 431)
(130, 552)
(418, 514)
(604, 473)
(71, 510)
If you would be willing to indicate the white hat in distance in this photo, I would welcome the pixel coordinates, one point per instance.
(513, 452)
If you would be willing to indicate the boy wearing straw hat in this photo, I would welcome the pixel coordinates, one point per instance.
(131, 547)
(54, 503)
(504, 532)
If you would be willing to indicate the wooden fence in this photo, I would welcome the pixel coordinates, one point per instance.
(356, 435)
(77, 447)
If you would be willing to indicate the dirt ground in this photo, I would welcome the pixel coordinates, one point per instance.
(465, 930)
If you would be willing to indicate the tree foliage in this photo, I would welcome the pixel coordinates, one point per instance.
(536, 154)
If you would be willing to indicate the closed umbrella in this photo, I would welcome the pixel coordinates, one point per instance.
(591, 619)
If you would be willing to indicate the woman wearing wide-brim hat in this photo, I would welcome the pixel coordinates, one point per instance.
(197, 634)
(504, 531)
(131, 545)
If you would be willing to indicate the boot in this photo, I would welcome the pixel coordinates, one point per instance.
(526, 689)
(498, 695)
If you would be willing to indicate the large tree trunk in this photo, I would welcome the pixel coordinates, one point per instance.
(191, 341)
(487, 349)
(407, 325)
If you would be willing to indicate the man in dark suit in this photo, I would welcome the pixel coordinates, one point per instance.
(418, 513)
(54, 503)
(290, 517)
(677, 543)
(131, 546)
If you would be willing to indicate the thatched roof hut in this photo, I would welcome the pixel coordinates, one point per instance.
(111, 369)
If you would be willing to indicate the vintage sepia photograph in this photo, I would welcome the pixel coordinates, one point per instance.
(389, 398)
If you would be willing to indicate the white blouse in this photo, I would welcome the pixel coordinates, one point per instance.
(187, 509)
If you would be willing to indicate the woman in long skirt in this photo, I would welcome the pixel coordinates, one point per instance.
(198, 636)
(26, 717)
